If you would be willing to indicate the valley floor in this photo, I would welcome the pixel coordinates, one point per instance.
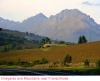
(13, 61)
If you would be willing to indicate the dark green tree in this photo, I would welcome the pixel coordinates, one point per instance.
(1, 29)
(82, 39)
(6, 48)
(45, 41)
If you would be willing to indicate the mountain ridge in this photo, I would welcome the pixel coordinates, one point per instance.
(67, 25)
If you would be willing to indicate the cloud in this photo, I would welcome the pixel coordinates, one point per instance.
(91, 4)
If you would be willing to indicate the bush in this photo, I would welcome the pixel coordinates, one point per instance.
(2, 62)
(9, 63)
(98, 63)
(5, 49)
(23, 63)
(55, 64)
(36, 62)
(87, 63)
(67, 60)
(41, 61)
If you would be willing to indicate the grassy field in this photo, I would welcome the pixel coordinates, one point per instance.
(56, 53)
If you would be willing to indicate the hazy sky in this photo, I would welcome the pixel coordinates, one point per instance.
(19, 10)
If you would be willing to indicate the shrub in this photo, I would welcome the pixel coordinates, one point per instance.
(87, 63)
(10, 63)
(2, 62)
(67, 60)
(23, 63)
(41, 61)
(55, 64)
(6, 49)
(98, 63)
(36, 62)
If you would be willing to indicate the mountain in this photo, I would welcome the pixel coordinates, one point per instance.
(28, 25)
(31, 24)
(8, 24)
(67, 25)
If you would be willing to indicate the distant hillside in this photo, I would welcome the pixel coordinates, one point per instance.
(18, 40)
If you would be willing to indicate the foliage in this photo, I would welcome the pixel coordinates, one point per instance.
(98, 63)
(45, 40)
(82, 39)
(86, 62)
(41, 61)
(62, 42)
(67, 59)
(10, 42)
(1, 29)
